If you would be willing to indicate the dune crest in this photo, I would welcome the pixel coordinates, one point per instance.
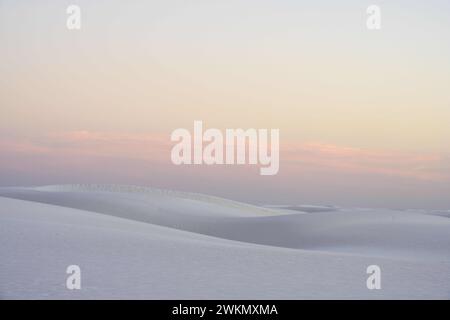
(155, 240)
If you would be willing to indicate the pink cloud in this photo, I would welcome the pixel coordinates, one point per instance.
(428, 166)
(90, 149)
(150, 147)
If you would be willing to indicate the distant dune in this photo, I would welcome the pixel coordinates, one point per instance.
(135, 242)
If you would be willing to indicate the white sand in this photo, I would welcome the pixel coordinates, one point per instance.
(146, 243)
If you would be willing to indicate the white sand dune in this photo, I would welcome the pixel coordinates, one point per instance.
(133, 242)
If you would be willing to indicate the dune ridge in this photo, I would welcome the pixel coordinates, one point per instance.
(149, 237)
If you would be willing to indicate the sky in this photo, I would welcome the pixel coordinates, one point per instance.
(363, 115)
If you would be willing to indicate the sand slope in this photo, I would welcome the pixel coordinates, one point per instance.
(135, 242)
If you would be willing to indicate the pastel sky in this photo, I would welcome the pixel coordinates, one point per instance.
(363, 115)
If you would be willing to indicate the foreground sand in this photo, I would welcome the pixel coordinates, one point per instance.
(135, 242)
